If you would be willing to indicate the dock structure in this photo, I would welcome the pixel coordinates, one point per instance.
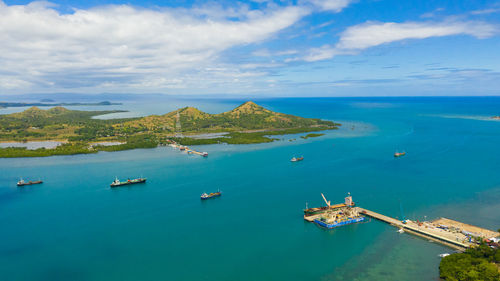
(447, 232)
(458, 238)
(185, 148)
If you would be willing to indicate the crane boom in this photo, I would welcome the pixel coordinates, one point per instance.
(326, 201)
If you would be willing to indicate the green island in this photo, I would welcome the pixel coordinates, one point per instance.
(478, 263)
(79, 133)
(312, 135)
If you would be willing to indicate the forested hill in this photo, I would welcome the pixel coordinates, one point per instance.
(247, 123)
(248, 116)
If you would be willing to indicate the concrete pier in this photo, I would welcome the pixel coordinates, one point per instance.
(455, 239)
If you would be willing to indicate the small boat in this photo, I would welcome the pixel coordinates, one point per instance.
(444, 255)
(206, 196)
(204, 154)
(297, 159)
(401, 230)
(399, 154)
(21, 182)
(117, 182)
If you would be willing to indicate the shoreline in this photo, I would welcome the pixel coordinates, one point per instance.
(73, 148)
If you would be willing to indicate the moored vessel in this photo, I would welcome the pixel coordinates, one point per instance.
(399, 154)
(338, 221)
(319, 210)
(341, 216)
(117, 182)
(206, 196)
(22, 182)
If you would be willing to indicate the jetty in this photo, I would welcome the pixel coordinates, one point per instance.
(444, 231)
(185, 148)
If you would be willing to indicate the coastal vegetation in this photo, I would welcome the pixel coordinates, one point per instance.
(313, 135)
(248, 123)
(479, 263)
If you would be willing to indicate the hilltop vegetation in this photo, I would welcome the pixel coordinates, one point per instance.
(248, 116)
(55, 123)
(248, 123)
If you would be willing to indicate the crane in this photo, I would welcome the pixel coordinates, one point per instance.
(326, 201)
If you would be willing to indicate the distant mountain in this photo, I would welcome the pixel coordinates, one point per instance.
(21, 104)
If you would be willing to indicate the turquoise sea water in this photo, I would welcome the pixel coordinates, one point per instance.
(74, 227)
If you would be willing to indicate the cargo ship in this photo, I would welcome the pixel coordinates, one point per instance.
(206, 196)
(297, 159)
(117, 182)
(21, 182)
(399, 154)
(319, 210)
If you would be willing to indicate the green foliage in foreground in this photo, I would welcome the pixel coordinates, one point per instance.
(474, 264)
(248, 138)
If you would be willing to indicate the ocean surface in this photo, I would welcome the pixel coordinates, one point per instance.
(75, 227)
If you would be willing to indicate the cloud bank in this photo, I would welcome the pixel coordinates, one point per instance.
(123, 44)
(206, 48)
(371, 34)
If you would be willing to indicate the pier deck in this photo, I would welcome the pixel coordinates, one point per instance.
(429, 230)
(448, 232)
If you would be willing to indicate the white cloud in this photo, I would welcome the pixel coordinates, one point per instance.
(371, 34)
(374, 33)
(123, 45)
(485, 11)
(331, 5)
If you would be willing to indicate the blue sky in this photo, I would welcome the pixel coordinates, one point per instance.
(256, 48)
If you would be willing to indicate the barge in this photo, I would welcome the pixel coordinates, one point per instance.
(320, 210)
(336, 223)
